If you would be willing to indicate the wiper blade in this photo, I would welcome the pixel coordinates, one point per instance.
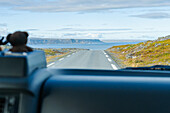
(155, 67)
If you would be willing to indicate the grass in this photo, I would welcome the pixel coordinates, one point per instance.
(55, 54)
(54, 57)
(143, 54)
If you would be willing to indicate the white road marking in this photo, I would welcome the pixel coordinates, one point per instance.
(114, 67)
(109, 60)
(61, 59)
(107, 56)
(68, 56)
(104, 52)
(50, 64)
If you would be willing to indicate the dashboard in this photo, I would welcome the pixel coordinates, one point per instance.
(27, 86)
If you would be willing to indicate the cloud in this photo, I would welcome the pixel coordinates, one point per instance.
(91, 35)
(70, 34)
(79, 5)
(73, 25)
(79, 29)
(3, 25)
(31, 29)
(82, 35)
(145, 37)
(153, 15)
(3, 31)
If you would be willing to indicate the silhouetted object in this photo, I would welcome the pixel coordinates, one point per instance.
(2, 43)
(19, 40)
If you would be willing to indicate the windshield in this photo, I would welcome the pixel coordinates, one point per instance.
(89, 34)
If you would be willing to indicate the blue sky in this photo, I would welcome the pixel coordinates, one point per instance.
(100, 19)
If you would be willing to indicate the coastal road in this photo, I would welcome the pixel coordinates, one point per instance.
(86, 59)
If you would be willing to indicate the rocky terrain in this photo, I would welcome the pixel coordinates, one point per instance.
(148, 53)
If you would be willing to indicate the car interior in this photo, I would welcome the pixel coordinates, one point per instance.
(28, 86)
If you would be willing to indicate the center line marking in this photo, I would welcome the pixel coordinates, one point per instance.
(68, 56)
(114, 67)
(104, 52)
(109, 60)
(107, 56)
(50, 64)
(61, 59)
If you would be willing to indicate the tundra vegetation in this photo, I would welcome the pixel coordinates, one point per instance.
(54, 54)
(149, 53)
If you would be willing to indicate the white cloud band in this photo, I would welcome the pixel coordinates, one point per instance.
(79, 5)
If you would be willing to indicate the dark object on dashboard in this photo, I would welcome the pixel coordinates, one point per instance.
(2, 43)
(155, 67)
(19, 40)
(21, 64)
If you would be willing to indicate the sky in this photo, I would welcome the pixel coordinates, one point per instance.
(87, 19)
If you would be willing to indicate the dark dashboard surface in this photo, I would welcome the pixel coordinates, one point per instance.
(89, 91)
(92, 91)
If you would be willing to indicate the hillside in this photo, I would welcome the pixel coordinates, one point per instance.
(156, 52)
(54, 54)
(32, 41)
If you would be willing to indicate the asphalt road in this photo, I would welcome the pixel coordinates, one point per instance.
(86, 59)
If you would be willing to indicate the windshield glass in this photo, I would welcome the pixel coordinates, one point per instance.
(89, 34)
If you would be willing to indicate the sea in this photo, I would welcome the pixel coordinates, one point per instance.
(102, 46)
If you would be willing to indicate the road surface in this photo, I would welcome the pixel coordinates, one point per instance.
(86, 59)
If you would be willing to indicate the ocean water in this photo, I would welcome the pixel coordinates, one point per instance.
(102, 46)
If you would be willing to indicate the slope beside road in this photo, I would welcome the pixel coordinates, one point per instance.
(86, 59)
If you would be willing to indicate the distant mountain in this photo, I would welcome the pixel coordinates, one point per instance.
(33, 41)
